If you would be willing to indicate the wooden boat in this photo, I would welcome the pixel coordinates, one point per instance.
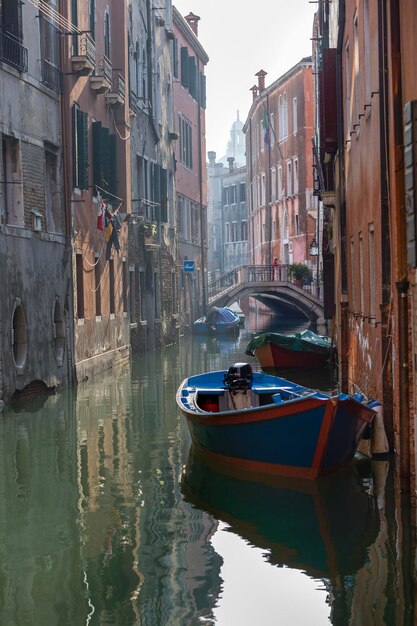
(219, 320)
(322, 527)
(267, 424)
(305, 349)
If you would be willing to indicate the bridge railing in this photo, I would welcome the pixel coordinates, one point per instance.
(260, 273)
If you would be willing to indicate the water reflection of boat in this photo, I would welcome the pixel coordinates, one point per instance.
(323, 528)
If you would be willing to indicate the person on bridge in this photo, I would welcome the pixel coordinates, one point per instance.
(275, 269)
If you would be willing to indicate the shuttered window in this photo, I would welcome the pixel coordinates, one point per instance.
(192, 77)
(80, 148)
(175, 56)
(184, 66)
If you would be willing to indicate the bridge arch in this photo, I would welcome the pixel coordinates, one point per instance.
(255, 281)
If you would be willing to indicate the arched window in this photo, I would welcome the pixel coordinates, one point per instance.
(19, 335)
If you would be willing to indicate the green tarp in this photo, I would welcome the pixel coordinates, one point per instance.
(306, 341)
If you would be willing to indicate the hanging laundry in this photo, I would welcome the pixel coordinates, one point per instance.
(114, 236)
(108, 223)
(100, 212)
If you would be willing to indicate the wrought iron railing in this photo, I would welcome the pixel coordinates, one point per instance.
(104, 68)
(51, 76)
(118, 84)
(13, 52)
(261, 273)
(85, 47)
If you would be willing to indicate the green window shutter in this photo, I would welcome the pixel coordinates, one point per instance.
(82, 132)
(74, 147)
(192, 82)
(113, 164)
(97, 152)
(184, 66)
(203, 100)
(175, 56)
(164, 194)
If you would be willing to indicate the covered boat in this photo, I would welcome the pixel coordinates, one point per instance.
(263, 423)
(305, 349)
(219, 320)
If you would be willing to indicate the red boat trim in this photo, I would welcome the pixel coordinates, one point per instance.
(255, 414)
(323, 438)
(290, 471)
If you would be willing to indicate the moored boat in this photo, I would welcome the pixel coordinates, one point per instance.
(219, 320)
(275, 350)
(267, 424)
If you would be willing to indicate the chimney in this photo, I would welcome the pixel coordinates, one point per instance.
(261, 79)
(254, 91)
(212, 157)
(193, 22)
(231, 161)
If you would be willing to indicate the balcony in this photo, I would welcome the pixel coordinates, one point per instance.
(51, 76)
(13, 53)
(116, 96)
(101, 80)
(84, 58)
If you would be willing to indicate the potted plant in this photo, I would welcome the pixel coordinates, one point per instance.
(300, 274)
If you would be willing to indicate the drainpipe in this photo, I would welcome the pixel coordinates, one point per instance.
(252, 260)
(344, 304)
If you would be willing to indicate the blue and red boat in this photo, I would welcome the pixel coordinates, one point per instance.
(219, 321)
(262, 423)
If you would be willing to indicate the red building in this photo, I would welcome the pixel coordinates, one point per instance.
(279, 131)
(191, 175)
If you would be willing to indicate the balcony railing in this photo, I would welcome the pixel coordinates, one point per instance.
(116, 95)
(84, 56)
(104, 68)
(51, 76)
(13, 53)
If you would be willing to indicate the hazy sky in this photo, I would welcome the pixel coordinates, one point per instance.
(272, 35)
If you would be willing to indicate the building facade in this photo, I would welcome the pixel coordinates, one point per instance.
(281, 206)
(97, 157)
(363, 64)
(153, 264)
(190, 59)
(36, 304)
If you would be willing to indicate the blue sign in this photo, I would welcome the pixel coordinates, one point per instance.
(188, 266)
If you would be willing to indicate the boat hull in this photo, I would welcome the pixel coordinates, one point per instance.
(303, 438)
(273, 356)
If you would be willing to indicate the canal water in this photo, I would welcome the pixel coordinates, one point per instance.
(107, 517)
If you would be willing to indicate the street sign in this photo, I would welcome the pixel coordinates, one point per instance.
(188, 266)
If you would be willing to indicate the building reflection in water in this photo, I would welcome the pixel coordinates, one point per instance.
(104, 520)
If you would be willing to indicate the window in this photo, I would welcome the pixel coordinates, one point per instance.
(184, 66)
(92, 11)
(356, 65)
(234, 231)
(175, 56)
(297, 225)
(242, 192)
(289, 178)
(97, 288)
(294, 116)
(53, 201)
(12, 51)
(80, 163)
(186, 147)
(273, 184)
(19, 335)
(49, 41)
(295, 172)
(361, 272)
(12, 184)
(227, 237)
(244, 229)
(352, 271)
(174, 291)
(282, 116)
(280, 189)
(107, 35)
(111, 287)
(263, 190)
(271, 129)
(80, 285)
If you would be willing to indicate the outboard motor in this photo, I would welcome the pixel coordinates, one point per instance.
(239, 377)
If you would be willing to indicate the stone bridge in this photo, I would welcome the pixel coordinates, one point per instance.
(271, 285)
